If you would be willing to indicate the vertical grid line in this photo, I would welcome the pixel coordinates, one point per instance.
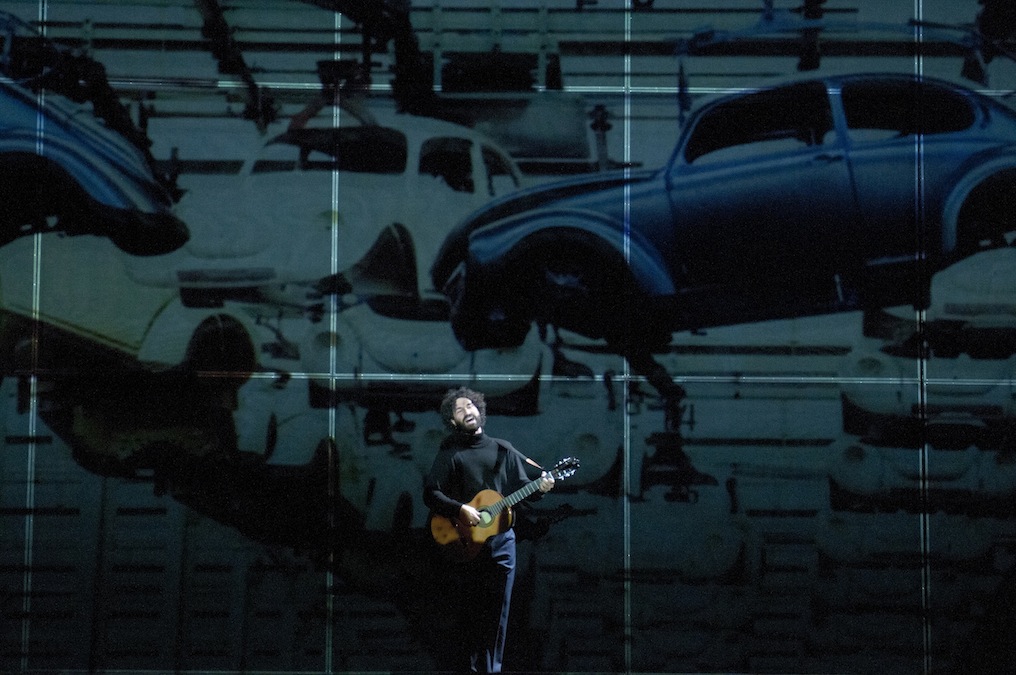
(626, 522)
(333, 318)
(923, 354)
(29, 524)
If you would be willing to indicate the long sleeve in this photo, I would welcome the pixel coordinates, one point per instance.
(520, 472)
(466, 465)
(443, 486)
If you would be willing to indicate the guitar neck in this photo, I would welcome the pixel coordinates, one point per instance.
(514, 498)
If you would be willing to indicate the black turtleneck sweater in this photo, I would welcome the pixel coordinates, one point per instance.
(465, 465)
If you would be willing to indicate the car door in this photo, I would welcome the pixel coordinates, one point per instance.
(763, 203)
(906, 138)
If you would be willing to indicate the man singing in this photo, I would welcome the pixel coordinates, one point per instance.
(470, 461)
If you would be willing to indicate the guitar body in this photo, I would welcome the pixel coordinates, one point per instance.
(464, 542)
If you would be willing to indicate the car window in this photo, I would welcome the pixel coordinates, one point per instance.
(365, 149)
(500, 177)
(780, 120)
(448, 158)
(878, 110)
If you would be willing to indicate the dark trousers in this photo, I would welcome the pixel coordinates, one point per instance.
(485, 592)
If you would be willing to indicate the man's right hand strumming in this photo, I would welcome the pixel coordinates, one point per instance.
(469, 515)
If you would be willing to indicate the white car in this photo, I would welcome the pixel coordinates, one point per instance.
(119, 367)
(972, 311)
(886, 399)
(314, 200)
(968, 343)
(949, 476)
(356, 210)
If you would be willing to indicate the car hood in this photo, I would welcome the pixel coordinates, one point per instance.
(557, 194)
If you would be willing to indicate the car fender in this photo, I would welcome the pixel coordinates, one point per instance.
(972, 174)
(93, 177)
(510, 239)
(59, 117)
(166, 342)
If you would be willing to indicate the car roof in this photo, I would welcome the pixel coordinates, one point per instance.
(416, 128)
(382, 124)
(830, 78)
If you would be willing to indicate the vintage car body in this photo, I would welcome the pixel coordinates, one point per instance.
(401, 356)
(887, 399)
(818, 195)
(351, 206)
(954, 479)
(957, 363)
(313, 200)
(61, 169)
(972, 312)
(118, 366)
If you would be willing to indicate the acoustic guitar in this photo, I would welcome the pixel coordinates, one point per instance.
(463, 541)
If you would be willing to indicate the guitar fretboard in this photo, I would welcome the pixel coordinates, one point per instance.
(514, 498)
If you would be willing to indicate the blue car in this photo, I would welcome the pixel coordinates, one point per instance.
(61, 167)
(819, 195)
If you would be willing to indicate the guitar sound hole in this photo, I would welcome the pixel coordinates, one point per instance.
(485, 519)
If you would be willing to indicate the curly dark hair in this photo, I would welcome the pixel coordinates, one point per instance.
(452, 395)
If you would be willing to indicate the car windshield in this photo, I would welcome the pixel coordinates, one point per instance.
(366, 149)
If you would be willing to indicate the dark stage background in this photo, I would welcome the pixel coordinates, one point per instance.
(213, 453)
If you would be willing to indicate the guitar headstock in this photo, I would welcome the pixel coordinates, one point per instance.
(564, 468)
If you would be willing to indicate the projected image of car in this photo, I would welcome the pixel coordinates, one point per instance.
(62, 168)
(332, 185)
(352, 207)
(948, 468)
(957, 364)
(783, 202)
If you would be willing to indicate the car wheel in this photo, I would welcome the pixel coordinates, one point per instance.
(480, 320)
(580, 289)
